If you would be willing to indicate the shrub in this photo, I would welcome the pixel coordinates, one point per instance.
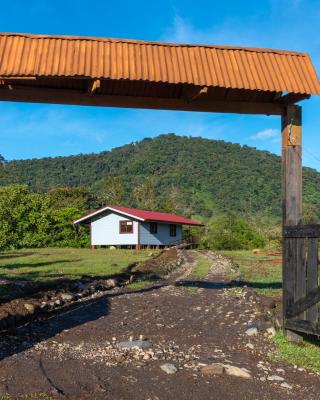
(229, 232)
(28, 220)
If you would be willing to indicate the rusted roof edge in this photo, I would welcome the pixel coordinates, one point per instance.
(155, 43)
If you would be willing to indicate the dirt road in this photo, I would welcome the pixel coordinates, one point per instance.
(189, 323)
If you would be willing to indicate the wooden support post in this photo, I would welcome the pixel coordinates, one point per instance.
(138, 246)
(294, 265)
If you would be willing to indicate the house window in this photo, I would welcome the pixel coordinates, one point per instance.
(173, 230)
(126, 227)
(153, 227)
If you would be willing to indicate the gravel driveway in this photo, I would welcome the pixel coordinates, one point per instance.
(188, 322)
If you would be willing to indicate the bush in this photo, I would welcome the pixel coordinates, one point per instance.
(28, 220)
(229, 232)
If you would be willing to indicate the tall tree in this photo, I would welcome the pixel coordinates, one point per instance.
(62, 197)
(2, 166)
(110, 191)
(145, 194)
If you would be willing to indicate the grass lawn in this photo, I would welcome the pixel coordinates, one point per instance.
(260, 271)
(44, 265)
(305, 354)
(202, 266)
(140, 284)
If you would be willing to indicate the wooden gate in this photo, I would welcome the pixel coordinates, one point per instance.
(301, 291)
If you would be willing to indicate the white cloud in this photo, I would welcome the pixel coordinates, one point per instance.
(228, 32)
(267, 134)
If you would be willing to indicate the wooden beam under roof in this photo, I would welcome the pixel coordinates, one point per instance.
(292, 98)
(77, 97)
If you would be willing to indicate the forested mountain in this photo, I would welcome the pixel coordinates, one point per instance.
(205, 175)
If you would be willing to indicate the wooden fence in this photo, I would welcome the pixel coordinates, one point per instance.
(301, 291)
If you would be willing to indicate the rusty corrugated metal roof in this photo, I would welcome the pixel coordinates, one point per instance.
(117, 59)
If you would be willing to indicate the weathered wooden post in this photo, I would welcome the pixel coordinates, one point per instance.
(294, 266)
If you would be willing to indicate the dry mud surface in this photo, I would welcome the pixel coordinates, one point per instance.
(76, 354)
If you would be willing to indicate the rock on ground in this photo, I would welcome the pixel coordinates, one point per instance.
(168, 368)
(213, 369)
(252, 331)
(239, 372)
(275, 378)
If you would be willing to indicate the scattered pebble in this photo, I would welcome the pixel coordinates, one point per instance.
(286, 385)
(169, 368)
(275, 378)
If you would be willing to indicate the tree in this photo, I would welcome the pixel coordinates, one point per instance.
(24, 218)
(66, 197)
(27, 220)
(229, 232)
(64, 233)
(145, 195)
(309, 214)
(2, 166)
(110, 191)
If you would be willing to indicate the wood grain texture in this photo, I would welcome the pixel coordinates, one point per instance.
(294, 269)
(312, 276)
(77, 97)
(302, 231)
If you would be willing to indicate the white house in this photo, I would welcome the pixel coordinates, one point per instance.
(119, 226)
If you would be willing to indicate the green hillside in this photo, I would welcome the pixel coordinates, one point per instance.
(205, 175)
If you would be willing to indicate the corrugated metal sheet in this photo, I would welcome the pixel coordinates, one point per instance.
(212, 66)
(143, 215)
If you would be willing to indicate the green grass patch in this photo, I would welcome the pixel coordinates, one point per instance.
(304, 355)
(45, 265)
(202, 266)
(260, 271)
(192, 289)
(139, 284)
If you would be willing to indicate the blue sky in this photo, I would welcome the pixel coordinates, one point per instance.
(30, 130)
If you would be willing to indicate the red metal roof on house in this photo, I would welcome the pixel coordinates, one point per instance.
(157, 216)
(143, 215)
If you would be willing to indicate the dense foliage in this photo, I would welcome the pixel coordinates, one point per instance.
(194, 175)
(229, 232)
(234, 189)
(28, 220)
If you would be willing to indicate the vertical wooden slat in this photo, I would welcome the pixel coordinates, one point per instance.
(289, 263)
(292, 205)
(312, 276)
(301, 273)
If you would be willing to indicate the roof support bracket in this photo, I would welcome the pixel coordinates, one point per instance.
(94, 85)
(5, 85)
(194, 93)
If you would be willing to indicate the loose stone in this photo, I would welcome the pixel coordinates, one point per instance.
(213, 369)
(169, 368)
(252, 331)
(271, 331)
(29, 307)
(67, 297)
(239, 372)
(286, 385)
(275, 378)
